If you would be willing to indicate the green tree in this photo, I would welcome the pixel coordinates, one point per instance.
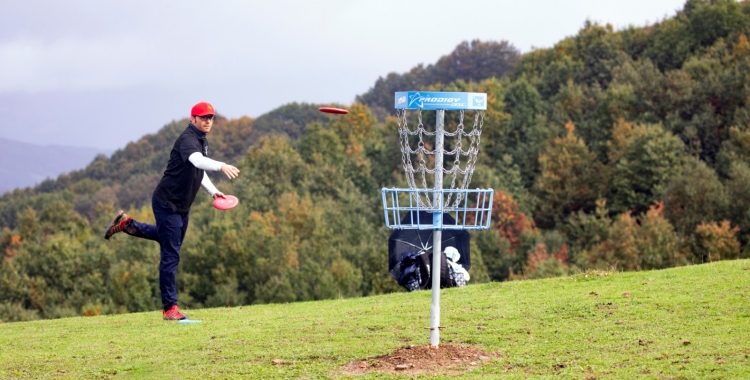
(586, 231)
(642, 161)
(737, 191)
(694, 195)
(569, 181)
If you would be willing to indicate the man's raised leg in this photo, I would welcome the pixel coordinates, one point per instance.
(123, 223)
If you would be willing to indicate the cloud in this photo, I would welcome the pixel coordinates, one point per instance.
(76, 64)
(246, 56)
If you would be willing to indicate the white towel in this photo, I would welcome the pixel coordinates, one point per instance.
(451, 253)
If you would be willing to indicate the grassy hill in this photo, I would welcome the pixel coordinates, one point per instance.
(681, 323)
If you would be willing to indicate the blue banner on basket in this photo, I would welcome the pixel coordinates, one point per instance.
(441, 100)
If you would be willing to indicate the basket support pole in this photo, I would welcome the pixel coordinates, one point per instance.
(437, 223)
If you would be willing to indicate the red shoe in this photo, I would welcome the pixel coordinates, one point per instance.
(116, 225)
(173, 314)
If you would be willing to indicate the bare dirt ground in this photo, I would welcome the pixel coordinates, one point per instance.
(445, 359)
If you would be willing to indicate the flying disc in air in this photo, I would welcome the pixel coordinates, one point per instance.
(226, 202)
(339, 111)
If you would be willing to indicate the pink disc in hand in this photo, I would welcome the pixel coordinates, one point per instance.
(226, 202)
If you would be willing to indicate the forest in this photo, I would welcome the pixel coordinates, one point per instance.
(614, 149)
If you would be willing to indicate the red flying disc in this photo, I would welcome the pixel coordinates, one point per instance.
(339, 111)
(225, 203)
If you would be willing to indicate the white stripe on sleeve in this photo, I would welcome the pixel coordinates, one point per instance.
(208, 185)
(204, 163)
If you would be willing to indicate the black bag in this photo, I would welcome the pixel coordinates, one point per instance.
(415, 273)
(410, 271)
(425, 271)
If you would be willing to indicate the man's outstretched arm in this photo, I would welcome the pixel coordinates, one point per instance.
(206, 163)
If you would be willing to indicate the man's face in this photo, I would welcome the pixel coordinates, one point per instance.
(203, 123)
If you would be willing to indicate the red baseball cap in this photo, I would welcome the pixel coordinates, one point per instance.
(202, 109)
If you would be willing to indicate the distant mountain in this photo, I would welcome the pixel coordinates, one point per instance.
(23, 164)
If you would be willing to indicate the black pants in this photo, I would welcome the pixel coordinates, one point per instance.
(169, 231)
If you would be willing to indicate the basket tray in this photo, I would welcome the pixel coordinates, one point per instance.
(473, 211)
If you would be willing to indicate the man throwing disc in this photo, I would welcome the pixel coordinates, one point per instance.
(172, 199)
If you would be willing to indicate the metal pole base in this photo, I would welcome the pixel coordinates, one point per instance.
(435, 324)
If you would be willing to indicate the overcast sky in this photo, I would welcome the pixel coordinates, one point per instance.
(102, 73)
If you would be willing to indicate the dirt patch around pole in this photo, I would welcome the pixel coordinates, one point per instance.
(444, 359)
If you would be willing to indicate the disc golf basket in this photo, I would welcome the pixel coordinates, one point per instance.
(423, 153)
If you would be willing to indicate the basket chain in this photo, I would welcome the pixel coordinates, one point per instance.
(421, 151)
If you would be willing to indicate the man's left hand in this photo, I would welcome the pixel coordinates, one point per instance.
(230, 171)
(218, 194)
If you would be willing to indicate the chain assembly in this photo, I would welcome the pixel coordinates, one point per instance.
(421, 153)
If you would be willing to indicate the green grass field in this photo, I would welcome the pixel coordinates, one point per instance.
(684, 323)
